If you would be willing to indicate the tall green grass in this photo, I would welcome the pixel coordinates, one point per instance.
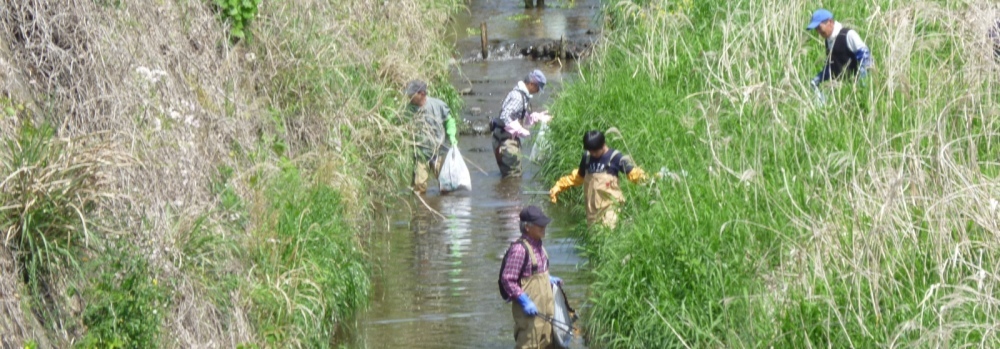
(773, 221)
(308, 266)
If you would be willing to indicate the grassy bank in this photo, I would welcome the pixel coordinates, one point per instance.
(190, 173)
(773, 221)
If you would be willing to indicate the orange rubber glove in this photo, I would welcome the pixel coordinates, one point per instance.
(566, 182)
(637, 175)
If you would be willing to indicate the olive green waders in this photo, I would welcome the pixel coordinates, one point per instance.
(423, 171)
(602, 194)
(534, 331)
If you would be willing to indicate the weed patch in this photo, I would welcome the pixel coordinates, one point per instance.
(237, 14)
(125, 304)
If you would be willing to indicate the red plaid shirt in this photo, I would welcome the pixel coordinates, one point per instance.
(517, 268)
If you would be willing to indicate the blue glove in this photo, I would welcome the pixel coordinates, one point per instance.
(820, 98)
(555, 280)
(527, 304)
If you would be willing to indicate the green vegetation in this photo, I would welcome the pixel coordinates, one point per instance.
(125, 306)
(310, 269)
(237, 14)
(773, 222)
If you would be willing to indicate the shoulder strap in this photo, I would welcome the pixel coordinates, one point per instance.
(530, 252)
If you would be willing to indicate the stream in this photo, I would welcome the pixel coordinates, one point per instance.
(435, 284)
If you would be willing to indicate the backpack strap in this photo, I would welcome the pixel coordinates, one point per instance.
(614, 153)
(531, 253)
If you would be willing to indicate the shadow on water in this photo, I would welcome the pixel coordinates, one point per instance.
(435, 285)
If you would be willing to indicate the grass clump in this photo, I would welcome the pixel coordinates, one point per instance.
(310, 269)
(47, 189)
(776, 222)
(51, 188)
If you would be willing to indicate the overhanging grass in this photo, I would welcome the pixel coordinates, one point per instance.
(777, 222)
(309, 269)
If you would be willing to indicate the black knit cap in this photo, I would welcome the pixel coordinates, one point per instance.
(534, 215)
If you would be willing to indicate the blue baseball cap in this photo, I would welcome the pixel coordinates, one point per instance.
(820, 16)
(537, 77)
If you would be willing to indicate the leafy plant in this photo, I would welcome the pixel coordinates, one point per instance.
(238, 14)
(125, 305)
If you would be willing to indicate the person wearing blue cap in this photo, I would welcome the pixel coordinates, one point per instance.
(846, 52)
(511, 125)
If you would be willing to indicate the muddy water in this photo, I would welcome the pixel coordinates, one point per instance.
(436, 283)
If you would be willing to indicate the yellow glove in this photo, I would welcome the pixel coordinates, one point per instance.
(566, 182)
(637, 175)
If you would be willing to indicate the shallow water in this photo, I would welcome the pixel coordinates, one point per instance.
(436, 282)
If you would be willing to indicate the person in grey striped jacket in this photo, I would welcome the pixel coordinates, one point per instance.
(511, 125)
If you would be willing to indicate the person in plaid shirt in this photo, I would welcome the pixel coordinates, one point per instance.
(524, 277)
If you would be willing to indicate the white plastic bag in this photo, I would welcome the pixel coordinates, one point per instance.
(454, 173)
(562, 320)
(541, 145)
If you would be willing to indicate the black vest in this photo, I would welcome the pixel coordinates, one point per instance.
(598, 167)
(841, 58)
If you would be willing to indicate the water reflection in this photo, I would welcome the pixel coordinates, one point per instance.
(439, 246)
(457, 228)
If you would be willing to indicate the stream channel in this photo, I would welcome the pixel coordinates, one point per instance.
(435, 283)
